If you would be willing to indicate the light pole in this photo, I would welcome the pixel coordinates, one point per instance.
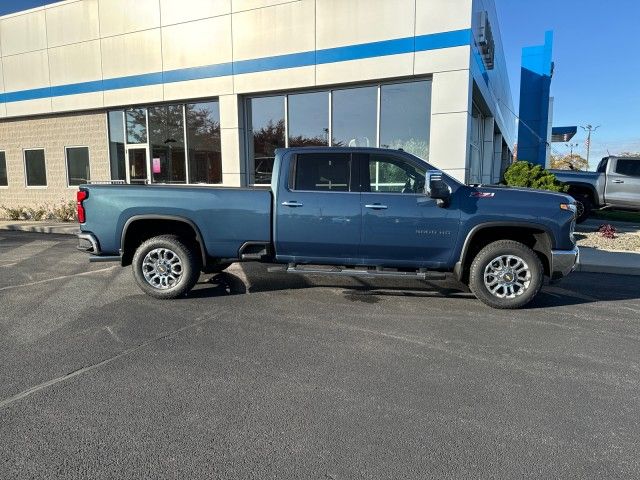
(589, 129)
(571, 146)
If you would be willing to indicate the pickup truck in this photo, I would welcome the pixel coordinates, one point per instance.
(338, 211)
(615, 184)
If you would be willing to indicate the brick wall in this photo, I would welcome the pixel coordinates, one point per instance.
(53, 133)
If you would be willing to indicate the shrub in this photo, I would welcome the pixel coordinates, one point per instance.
(65, 211)
(607, 231)
(17, 213)
(525, 174)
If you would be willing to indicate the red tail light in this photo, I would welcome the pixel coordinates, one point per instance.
(81, 195)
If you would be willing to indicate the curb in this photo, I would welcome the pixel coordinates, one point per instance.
(593, 260)
(60, 229)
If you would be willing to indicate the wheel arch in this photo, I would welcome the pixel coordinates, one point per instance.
(580, 188)
(537, 237)
(139, 228)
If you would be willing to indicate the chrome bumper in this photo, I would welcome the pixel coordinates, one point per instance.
(563, 262)
(88, 243)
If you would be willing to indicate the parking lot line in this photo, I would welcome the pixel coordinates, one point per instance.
(10, 287)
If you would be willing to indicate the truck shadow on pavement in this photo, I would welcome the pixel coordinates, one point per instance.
(575, 290)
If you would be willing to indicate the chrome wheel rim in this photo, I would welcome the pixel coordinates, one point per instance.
(162, 268)
(507, 276)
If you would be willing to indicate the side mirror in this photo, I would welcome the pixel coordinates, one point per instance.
(436, 188)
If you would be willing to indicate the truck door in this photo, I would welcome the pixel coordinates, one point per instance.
(318, 209)
(623, 183)
(400, 225)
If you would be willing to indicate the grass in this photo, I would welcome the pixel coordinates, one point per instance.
(617, 216)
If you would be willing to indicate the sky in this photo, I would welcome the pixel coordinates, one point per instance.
(596, 51)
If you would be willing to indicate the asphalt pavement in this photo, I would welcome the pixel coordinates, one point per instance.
(272, 375)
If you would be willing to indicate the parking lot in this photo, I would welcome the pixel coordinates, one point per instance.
(270, 375)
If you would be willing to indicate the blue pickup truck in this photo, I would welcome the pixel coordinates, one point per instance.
(338, 211)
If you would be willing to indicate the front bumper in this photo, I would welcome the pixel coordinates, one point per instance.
(563, 262)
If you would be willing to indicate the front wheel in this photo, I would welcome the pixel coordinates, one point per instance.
(506, 274)
(584, 206)
(165, 267)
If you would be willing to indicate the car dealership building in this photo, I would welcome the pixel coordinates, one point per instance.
(204, 91)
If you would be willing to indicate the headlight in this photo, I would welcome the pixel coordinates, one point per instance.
(571, 207)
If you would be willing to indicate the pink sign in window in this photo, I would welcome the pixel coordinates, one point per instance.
(156, 165)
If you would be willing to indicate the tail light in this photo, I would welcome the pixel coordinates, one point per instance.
(81, 195)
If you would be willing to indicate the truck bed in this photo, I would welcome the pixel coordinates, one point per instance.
(225, 217)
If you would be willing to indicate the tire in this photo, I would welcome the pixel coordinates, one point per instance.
(507, 293)
(585, 206)
(165, 267)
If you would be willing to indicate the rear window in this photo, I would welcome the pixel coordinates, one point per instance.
(325, 172)
(628, 167)
(602, 166)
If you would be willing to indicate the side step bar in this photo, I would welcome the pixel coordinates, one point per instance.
(421, 274)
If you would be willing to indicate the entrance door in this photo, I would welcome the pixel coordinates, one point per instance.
(401, 226)
(137, 165)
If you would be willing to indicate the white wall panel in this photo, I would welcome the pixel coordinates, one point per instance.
(124, 16)
(133, 96)
(178, 11)
(434, 16)
(75, 63)
(82, 101)
(277, 30)
(3, 108)
(23, 33)
(341, 22)
(448, 144)
(204, 87)
(72, 23)
(194, 44)
(36, 64)
(132, 54)
(442, 60)
(365, 69)
(239, 5)
(451, 91)
(284, 79)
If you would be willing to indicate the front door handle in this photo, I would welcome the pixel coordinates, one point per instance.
(618, 181)
(376, 206)
(292, 203)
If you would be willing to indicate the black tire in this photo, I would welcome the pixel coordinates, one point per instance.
(187, 275)
(516, 297)
(585, 206)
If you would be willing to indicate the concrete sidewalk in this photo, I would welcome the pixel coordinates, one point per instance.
(63, 228)
(591, 259)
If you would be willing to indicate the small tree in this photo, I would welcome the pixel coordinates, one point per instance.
(525, 174)
(569, 162)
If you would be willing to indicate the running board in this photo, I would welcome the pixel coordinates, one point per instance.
(353, 272)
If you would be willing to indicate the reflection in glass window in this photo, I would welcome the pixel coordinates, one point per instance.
(405, 109)
(136, 125)
(354, 113)
(630, 168)
(391, 174)
(3, 170)
(308, 119)
(203, 139)
(166, 142)
(323, 172)
(266, 130)
(116, 145)
(77, 165)
(35, 168)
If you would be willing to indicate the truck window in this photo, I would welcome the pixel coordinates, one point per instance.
(326, 172)
(628, 167)
(388, 174)
(602, 166)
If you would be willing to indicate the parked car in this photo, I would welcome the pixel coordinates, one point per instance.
(614, 184)
(339, 211)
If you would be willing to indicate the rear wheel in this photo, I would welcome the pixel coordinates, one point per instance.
(506, 274)
(165, 267)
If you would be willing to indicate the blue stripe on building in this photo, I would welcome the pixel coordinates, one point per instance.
(303, 59)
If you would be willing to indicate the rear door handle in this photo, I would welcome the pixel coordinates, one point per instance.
(618, 181)
(376, 206)
(292, 203)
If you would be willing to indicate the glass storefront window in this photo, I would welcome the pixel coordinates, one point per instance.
(116, 145)
(35, 168)
(77, 165)
(203, 140)
(354, 112)
(405, 110)
(3, 170)
(267, 132)
(166, 143)
(136, 125)
(308, 119)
